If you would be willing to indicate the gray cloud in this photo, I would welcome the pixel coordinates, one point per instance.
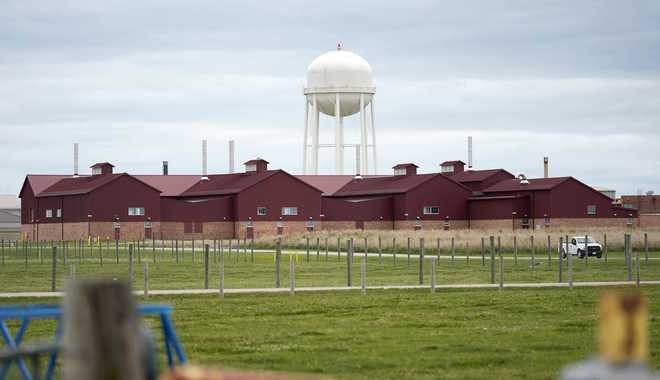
(139, 82)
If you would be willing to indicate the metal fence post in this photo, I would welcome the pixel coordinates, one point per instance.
(338, 248)
(307, 248)
(221, 274)
(278, 254)
(380, 250)
(452, 249)
(292, 275)
(421, 261)
(206, 266)
(501, 270)
(326, 249)
(318, 248)
(349, 262)
(570, 265)
(394, 250)
(586, 250)
(146, 280)
(629, 251)
(53, 269)
(533, 250)
(646, 248)
(492, 259)
(637, 267)
(130, 265)
(561, 264)
(408, 251)
(605, 246)
(515, 250)
(363, 275)
(433, 260)
(483, 252)
(117, 250)
(549, 249)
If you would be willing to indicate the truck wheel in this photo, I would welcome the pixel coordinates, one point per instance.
(599, 255)
(563, 253)
(580, 254)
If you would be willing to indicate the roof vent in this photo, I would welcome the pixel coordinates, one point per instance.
(257, 165)
(523, 179)
(102, 168)
(405, 169)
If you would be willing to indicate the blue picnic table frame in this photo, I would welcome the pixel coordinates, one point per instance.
(27, 313)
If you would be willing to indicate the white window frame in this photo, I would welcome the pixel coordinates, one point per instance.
(428, 210)
(290, 211)
(260, 208)
(49, 213)
(251, 168)
(59, 213)
(97, 171)
(447, 169)
(136, 211)
(400, 171)
(592, 210)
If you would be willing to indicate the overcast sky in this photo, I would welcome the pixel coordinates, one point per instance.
(139, 82)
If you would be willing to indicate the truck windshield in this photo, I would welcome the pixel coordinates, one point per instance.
(581, 240)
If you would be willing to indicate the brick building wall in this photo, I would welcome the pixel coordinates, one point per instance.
(430, 224)
(210, 230)
(649, 220)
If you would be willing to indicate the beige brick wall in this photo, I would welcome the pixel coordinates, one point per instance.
(430, 224)
(350, 225)
(210, 230)
(269, 228)
(555, 223)
(649, 220)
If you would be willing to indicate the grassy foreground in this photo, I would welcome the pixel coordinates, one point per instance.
(476, 334)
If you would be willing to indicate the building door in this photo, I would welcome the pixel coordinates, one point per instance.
(359, 224)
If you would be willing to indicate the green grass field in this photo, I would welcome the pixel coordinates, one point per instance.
(172, 270)
(475, 334)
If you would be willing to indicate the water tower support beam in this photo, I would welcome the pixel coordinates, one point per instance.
(363, 138)
(373, 136)
(339, 137)
(315, 137)
(305, 139)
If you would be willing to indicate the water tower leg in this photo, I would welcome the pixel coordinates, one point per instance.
(315, 141)
(363, 138)
(373, 136)
(305, 140)
(339, 137)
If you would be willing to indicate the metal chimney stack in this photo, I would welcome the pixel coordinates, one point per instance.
(469, 152)
(231, 156)
(204, 172)
(545, 167)
(165, 168)
(75, 160)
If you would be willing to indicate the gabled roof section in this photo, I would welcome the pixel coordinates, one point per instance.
(388, 185)
(478, 175)
(101, 164)
(403, 166)
(225, 184)
(533, 185)
(84, 185)
(256, 161)
(329, 184)
(169, 185)
(40, 182)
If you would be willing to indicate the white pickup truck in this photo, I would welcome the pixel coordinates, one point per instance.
(576, 247)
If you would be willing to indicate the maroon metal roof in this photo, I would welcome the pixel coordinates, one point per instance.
(534, 184)
(40, 182)
(101, 164)
(169, 185)
(255, 161)
(329, 184)
(477, 175)
(224, 184)
(495, 197)
(385, 185)
(81, 185)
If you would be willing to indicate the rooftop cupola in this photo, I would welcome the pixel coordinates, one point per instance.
(257, 165)
(102, 168)
(405, 169)
(452, 167)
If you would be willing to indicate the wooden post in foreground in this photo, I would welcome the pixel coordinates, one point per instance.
(221, 274)
(53, 270)
(206, 266)
(421, 261)
(292, 275)
(278, 254)
(492, 259)
(102, 338)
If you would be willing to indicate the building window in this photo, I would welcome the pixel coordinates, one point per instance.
(431, 210)
(289, 210)
(187, 227)
(401, 171)
(261, 211)
(96, 171)
(199, 227)
(59, 213)
(135, 211)
(49, 213)
(591, 210)
(251, 168)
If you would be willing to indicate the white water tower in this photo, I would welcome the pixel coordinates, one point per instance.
(339, 84)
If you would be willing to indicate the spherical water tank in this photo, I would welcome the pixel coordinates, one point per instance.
(343, 72)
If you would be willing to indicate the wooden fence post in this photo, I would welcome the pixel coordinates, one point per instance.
(326, 249)
(176, 242)
(501, 270)
(117, 250)
(394, 250)
(452, 249)
(338, 248)
(421, 261)
(533, 250)
(363, 275)
(483, 253)
(221, 272)
(586, 250)
(146, 280)
(637, 268)
(515, 250)
(549, 249)
(629, 251)
(408, 251)
(570, 265)
(380, 250)
(561, 264)
(646, 248)
(605, 246)
(102, 338)
(318, 248)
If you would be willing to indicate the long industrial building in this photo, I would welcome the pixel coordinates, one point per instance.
(260, 201)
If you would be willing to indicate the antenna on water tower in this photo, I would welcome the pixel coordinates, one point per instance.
(204, 172)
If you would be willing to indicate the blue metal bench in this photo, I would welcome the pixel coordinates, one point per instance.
(25, 314)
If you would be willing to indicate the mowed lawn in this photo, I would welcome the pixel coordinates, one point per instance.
(170, 270)
(412, 334)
